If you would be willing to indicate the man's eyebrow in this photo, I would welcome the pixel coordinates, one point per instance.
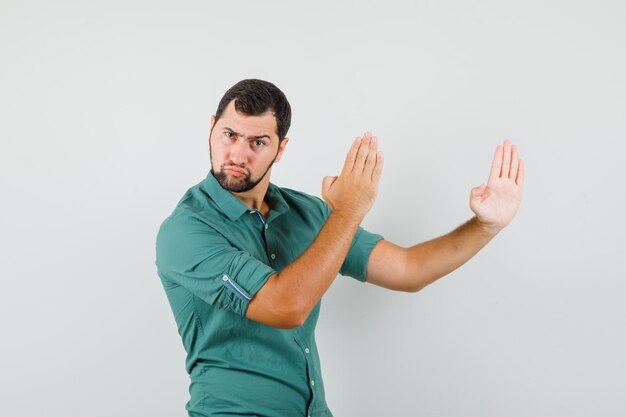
(251, 137)
(232, 131)
(261, 137)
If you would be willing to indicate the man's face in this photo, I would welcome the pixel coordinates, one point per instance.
(243, 148)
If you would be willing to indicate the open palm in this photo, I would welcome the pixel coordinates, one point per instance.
(496, 202)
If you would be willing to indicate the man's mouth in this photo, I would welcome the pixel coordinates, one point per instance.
(235, 171)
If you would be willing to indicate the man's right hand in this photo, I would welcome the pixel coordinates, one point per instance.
(288, 297)
(353, 192)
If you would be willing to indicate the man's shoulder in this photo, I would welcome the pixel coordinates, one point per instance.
(298, 195)
(296, 198)
(193, 208)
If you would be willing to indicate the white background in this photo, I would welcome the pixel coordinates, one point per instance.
(104, 110)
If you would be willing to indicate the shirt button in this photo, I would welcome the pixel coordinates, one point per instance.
(312, 383)
(307, 350)
(273, 256)
(266, 226)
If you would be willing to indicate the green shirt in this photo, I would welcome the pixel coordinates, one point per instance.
(213, 254)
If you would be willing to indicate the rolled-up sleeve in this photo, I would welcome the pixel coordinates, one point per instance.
(195, 256)
(355, 263)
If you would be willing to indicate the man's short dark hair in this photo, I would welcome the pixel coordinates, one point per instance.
(253, 97)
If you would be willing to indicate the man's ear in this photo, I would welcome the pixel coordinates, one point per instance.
(211, 126)
(281, 148)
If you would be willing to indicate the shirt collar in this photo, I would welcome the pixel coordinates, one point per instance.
(277, 202)
(233, 208)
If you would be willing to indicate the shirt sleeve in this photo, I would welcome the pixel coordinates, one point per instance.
(355, 264)
(195, 256)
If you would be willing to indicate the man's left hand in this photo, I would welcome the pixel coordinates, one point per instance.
(496, 202)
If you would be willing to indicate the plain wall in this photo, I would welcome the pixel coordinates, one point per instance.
(105, 110)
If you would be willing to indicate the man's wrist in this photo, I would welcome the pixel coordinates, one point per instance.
(488, 228)
(350, 217)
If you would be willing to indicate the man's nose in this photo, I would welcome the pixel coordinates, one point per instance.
(239, 151)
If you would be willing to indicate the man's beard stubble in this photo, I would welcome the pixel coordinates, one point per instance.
(243, 184)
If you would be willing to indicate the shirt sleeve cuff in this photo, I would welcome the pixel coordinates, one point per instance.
(355, 264)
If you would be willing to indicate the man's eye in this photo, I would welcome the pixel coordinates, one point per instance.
(258, 143)
(229, 134)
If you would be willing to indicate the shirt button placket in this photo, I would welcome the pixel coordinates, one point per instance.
(307, 351)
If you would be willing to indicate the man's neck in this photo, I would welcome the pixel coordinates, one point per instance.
(255, 198)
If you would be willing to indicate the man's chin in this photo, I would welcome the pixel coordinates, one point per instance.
(234, 184)
(237, 186)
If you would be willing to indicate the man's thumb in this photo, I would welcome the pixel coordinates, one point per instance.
(328, 182)
(477, 191)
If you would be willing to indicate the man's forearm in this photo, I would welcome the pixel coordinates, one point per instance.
(305, 280)
(287, 298)
(426, 262)
(494, 203)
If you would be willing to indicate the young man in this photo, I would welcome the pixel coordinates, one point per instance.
(244, 263)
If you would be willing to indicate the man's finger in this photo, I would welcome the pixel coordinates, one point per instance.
(370, 161)
(520, 173)
(362, 153)
(378, 169)
(514, 162)
(476, 192)
(327, 182)
(506, 159)
(496, 165)
(351, 157)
